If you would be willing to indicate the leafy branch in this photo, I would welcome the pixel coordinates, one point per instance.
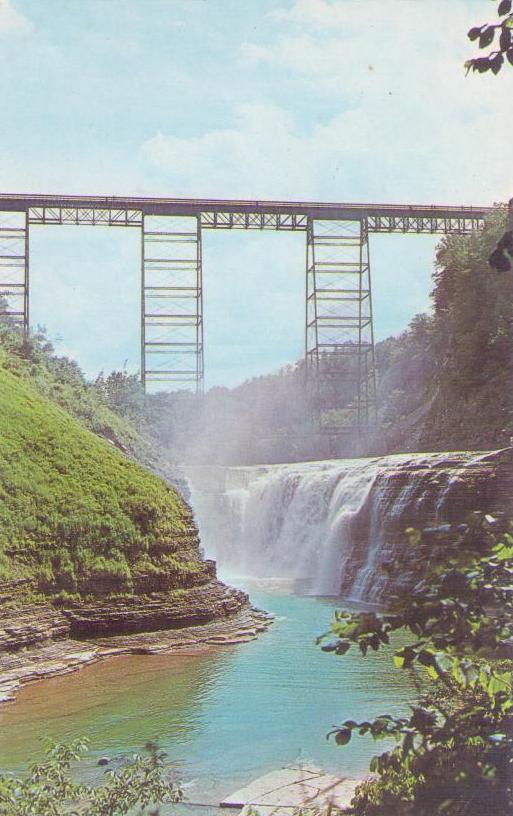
(455, 750)
(501, 258)
(500, 34)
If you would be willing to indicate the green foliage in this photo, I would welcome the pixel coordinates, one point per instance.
(449, 370)
(455, 751)
(498, 37)
(123, 393)
(61, 380)
(50, 790)
(76, 515)
(501, 259)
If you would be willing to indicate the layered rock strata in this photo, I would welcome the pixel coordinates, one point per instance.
(424, 494)
(38, 640)
(50, 657)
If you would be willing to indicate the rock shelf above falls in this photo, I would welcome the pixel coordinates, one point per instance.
(336, 526)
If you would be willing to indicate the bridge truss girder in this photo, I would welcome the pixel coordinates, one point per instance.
(85, 216)
(432, 224)
(256, 220)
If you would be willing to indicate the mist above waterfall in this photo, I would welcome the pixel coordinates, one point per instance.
(334, 527)
(265, 420)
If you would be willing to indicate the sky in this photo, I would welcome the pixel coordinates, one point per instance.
(328, 100)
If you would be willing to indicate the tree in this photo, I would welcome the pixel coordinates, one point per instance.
(49, 789)
(455, 751)
(498, 37)
(501, 258)
(123, 393)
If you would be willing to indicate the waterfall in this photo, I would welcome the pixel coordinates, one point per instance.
(332, 526)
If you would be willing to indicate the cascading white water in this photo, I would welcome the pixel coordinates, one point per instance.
(325, 523)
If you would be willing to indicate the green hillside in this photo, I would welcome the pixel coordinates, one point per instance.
(62, 381)
(75, 513)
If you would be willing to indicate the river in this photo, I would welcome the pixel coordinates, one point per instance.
(225, 716)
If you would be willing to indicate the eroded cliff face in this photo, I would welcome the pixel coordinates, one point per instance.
(337, 527)
(27, 619)
(424, 492)
(41, 637)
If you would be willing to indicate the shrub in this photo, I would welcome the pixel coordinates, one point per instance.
(455, 751)
(50, 790)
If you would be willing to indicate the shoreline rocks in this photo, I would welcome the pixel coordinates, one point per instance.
(154, 612)
(51, 656)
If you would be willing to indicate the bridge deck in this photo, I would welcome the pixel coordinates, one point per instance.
(196, 206)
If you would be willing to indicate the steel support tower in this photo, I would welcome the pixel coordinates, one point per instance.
(339, 342)
(14, 268)
(339, 335)
(172, 301)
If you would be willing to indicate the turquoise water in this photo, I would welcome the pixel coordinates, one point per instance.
(225, 716)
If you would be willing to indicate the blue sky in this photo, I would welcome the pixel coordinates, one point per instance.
(348, 100)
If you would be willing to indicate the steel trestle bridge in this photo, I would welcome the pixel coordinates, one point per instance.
(338, 297)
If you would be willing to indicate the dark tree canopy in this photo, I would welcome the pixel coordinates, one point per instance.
(497, 37)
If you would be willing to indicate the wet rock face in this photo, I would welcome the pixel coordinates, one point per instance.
(158, 611)
(378, 559)
(36, 624)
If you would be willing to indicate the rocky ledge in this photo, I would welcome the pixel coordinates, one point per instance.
(38, 641)
(426, 491)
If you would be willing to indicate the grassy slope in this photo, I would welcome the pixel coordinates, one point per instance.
(61, 380)
(74, 512)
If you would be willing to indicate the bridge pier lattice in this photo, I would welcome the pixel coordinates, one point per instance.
(14, 268)
(172, 302)
(339, 334)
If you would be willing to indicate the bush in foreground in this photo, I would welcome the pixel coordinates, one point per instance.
(454, 755)
(49, 788)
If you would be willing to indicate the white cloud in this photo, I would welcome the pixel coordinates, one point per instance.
(11, 21)
(406, 124)
(259, 156)
(344, 15)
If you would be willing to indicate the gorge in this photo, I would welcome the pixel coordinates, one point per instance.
(112, 550)
(324, 527)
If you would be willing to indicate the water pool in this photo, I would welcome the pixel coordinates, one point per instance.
(227, 715)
